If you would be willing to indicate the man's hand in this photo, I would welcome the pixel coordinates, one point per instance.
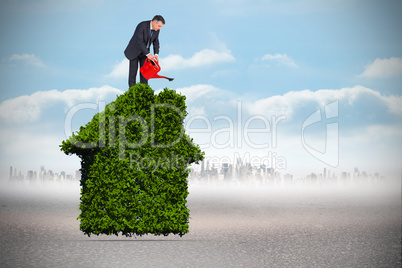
(156, 57)
(150, 56)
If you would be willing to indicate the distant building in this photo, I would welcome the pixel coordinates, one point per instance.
(225, 171)
(288, 179)
(30, 175)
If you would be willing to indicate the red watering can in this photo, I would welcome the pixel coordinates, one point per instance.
(150, 70)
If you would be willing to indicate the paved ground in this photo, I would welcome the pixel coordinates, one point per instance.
(235, 227)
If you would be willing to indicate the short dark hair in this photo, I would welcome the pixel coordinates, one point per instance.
(159, 18)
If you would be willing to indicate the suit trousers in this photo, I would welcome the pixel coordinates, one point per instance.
(133, 71)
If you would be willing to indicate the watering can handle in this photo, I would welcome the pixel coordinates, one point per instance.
(155, 63)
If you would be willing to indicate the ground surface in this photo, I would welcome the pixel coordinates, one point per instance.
(234, 227)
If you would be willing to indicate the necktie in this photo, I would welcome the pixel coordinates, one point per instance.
(149, 44)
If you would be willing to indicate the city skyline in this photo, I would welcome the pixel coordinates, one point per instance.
(16, 175)
(240, 173)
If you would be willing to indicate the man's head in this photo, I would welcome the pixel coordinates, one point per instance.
(157, 22)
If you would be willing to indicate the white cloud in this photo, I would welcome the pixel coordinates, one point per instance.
(29, 108)
(19, 142)
(207, 98)
(200, 58)
(290, 102)
(176, 62)
(384, 131)
(383, 68)
(120, 70)
(28, 59)
(281, 59)
(214, 117)
(195, 92)
(14, 142)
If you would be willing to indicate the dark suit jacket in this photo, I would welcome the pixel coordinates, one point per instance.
(140, 39)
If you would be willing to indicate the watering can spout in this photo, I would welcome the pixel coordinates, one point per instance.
(158, 76)
(150, 70)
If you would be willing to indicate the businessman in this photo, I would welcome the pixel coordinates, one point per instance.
(138, 49)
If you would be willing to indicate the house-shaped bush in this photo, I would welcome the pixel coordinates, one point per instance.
(134, 165)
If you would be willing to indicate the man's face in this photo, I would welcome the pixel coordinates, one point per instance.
(156, 26)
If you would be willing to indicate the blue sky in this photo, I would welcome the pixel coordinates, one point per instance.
(269, 61)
